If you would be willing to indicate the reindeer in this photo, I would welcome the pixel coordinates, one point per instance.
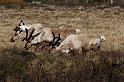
(20, 30)
(81, 42)
(48, 36)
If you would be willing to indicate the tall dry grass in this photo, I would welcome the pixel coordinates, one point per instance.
(11, 1)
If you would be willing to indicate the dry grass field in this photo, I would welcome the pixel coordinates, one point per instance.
(19, 65)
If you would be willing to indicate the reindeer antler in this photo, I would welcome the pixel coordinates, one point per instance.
(26, 34)
(53, 43)
(54, 37)
(57, 41)
(36, 34)
(30, 35)
(28, 38)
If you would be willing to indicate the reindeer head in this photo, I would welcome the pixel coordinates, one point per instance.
(102, 38)
(19, 29)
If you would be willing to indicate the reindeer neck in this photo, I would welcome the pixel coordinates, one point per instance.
(29, 26)
(98, 40)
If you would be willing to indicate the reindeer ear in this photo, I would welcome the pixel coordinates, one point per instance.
(21, 21)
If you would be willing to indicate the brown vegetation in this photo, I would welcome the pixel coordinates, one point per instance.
(11, 1)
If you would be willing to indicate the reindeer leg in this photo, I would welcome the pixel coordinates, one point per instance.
(50, 49)
(98, 48)
(71, 52)
(36, 47)
(83, 50)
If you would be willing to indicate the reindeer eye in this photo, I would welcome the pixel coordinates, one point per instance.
(23, 23)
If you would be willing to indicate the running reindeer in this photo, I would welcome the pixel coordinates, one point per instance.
(20, 30)
(35, 33)
(48, 36)
(80, 43)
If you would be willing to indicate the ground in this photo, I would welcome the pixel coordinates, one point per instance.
(19, 65)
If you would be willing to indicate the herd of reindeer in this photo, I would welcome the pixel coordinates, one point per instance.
(54, 39)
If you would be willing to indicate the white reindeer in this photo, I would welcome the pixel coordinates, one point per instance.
(47, 34)
(81, 43)
(20, 30)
